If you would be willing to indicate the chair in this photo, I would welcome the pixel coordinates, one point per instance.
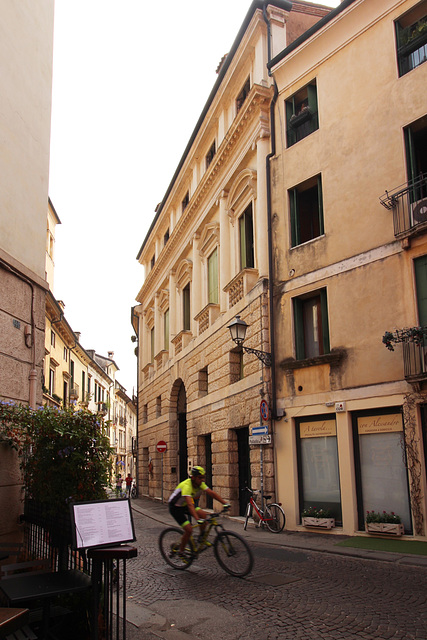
(19, 568)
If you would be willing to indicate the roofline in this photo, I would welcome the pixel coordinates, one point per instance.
(286, 5)
(54, 210)
(311, 31)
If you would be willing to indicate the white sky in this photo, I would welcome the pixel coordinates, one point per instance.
(130, 79)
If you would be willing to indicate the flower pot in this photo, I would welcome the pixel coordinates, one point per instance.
(385, 528)
(322, 523)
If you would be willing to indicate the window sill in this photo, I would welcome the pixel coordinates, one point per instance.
(304, 244)
(334, 358)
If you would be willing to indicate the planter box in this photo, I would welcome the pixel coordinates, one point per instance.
(322, 523)
(385, 528)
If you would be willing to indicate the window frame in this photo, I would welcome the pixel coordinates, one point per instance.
(295, 212)
(300, 328)
(301, 110)
(213, 277)
(408, 43)
(247, 238)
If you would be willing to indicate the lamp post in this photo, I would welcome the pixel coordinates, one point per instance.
(238, 329)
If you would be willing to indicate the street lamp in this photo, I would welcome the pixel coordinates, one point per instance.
(238, 329)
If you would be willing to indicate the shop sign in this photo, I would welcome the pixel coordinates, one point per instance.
(318, 428)
(380, 424)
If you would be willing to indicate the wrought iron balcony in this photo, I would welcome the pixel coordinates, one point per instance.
(414, 345)
(409, 205)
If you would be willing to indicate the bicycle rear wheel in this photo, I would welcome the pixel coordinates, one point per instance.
(275, 517)
(233, 554)
(169, 541)
(247, 515)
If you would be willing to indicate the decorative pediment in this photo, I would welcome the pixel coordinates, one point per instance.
(209, 239)
(242, 191)
(184, 273)
(163, 300)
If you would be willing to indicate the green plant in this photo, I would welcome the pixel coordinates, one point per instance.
(315, 512)
(376, 516)
(64, 454)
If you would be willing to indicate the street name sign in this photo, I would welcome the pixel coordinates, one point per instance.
(260, 439)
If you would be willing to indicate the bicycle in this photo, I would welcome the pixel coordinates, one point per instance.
(231, 550)
(272, 515)
(134, 490)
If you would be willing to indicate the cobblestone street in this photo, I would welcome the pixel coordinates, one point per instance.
(291, 594)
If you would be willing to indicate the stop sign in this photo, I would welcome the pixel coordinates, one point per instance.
(161, 446)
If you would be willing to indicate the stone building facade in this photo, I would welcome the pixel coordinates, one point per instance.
(206, 260)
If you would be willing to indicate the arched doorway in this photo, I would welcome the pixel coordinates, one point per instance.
(181, 410)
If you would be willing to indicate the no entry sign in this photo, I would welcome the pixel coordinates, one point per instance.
(161, 446)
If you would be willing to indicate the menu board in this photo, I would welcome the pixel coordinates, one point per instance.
(101, 523)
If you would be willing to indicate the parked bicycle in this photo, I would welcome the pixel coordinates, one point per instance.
(231, 550)
(134, 490)
(269, 514)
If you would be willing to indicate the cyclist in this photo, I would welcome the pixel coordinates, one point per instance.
(183, 504)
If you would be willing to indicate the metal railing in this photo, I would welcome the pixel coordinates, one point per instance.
(414, 360)
(409, 205)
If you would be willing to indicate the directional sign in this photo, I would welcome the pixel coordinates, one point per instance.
(265, 413)
(259, 439)
(261, 430)
(161, 446)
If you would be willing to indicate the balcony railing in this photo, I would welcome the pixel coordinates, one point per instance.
(409, 205)
(414, 345)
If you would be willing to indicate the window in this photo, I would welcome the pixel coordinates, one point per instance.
(246, 239)
(158, 406)
(166, 237)
(152, 344)
(306, 211)
(51, 381)
(243, 95)
(210, 154)
(65, 354)
(301, 114)
(166, 330)
(152, 261)
(83, 385)
(52, 339)
(311, 325)
(145, 413)
(186, 308)
(213, 277)
(411, 38)
(185, 202)
(420, 268)
(416, 160)
(203, 381)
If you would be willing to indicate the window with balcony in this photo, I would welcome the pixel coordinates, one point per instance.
(246, 239)
(51, 381)
(411, 38)
(210, 154)
(186, 308)
(243, 95)
(306, 211)
(311, 325)
(301, 114)
(213, 277)
(416, 160)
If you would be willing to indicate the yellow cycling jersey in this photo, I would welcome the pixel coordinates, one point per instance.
(184, 489)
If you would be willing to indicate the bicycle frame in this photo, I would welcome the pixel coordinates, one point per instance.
(198, 547)
(259, 510)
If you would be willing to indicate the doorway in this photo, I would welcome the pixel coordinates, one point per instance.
(244, 462)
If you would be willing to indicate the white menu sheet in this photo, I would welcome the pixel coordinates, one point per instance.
(101, 523)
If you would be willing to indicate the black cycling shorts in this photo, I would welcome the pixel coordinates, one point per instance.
(180, 514)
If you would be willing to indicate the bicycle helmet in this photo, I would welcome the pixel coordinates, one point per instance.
(197, 471)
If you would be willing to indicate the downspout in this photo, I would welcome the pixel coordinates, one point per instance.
(269, 226)
(270, 251)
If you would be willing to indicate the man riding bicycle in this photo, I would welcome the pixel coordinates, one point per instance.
(183, 503)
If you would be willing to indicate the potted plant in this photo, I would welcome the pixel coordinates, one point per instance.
(317, 517)
(384, 523)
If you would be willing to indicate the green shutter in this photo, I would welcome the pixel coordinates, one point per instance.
(213, 277)
(320, 204)
(293, 208)
(312, 104)
(325, 321)
(242, 241)
(299, 330)
(421, 285)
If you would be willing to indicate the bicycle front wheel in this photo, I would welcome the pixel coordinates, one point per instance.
(274, 517)
(233, 554)
(169, 541)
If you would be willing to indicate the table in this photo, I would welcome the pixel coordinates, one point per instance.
(12, 619)
(45, 587)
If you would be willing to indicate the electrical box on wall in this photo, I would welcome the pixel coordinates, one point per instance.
(339, 407)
